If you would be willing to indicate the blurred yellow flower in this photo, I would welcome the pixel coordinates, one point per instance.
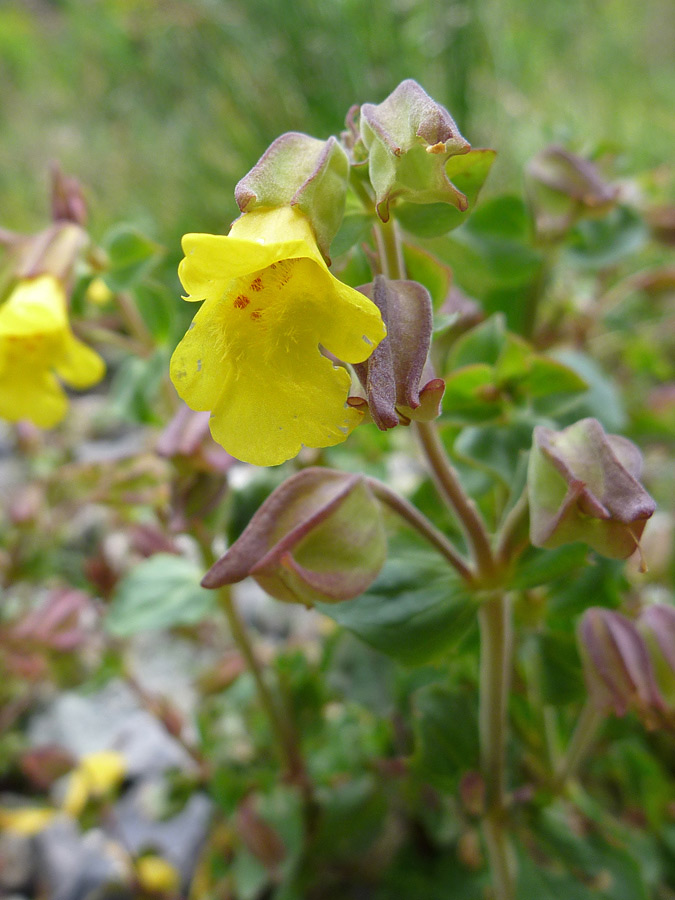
(36, 345)
(156, 875)
(26, 821)
(252, 353)
(98, 292)
(97, 775)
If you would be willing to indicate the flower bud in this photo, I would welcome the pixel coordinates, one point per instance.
(410, 137)
(391, 375)
(583, 486)
(302, 171)
(657, 626)
(563, 188)
(318, 537)
(617, 668)
(68, 203)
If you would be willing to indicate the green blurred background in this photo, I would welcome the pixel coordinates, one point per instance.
(160, 107)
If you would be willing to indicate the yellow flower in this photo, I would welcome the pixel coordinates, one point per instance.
(35, 343)
(26, 820)
(97, 775)
(252, 353)
(156, 875)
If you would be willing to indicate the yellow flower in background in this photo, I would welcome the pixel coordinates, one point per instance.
(26, 820)
(252, 353)
(97, 775)
(36, 345)
(157, 876)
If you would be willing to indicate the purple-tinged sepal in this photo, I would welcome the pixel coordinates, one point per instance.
(583, 486)
(304, 172)
(318, 537)
(396, 378)
(563, 188)
(409, 138)
(617, 667)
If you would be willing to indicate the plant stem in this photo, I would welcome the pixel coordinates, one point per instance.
(495, 672)
(421, 524)
(389, 250)
(514, 535)
(286, 739)
(494, 613)
(451, 489)
(581, 742)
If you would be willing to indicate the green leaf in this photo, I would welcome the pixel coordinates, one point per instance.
(468, 173)
(536, 567)
(503, 217)
(597, 861)
(599, 243)
(535, 883)
(492, 250)
(469, 394)
(355, 227)
(549, 377)
(560, 668)
(601, 401)
(160, 592)
(415, 611)
(131, 256)
(447, 735)
(417, 874)
(425, 268)
(482, 344)
(157, 306)
(495, 449)
(135, 387)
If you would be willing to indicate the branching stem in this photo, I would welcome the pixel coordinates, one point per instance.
(422, 525)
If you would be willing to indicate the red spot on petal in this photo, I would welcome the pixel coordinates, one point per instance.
(256, 314)
(241, 302)
(257, 284)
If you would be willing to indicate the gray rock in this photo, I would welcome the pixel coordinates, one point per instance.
(111, 719)
(178, 839)
(17, 862)
(76, 866)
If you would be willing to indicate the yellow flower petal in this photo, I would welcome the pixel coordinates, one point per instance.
(77, 794)
(252, 353)
(98, 292)
(96, 775)
(36, 341)
(105, 770)
(26, 821)
(79, 365)
(31, 393)
(256, 240)
(35, 307)
(156, 875)
(305, 408)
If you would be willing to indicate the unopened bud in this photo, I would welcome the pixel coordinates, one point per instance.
(302, 171)
(410, 138)
(657, 626)
(318, 537)
(617, 667)
(583, 486)
(68, 203)
(563, 188)
(391, 376)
